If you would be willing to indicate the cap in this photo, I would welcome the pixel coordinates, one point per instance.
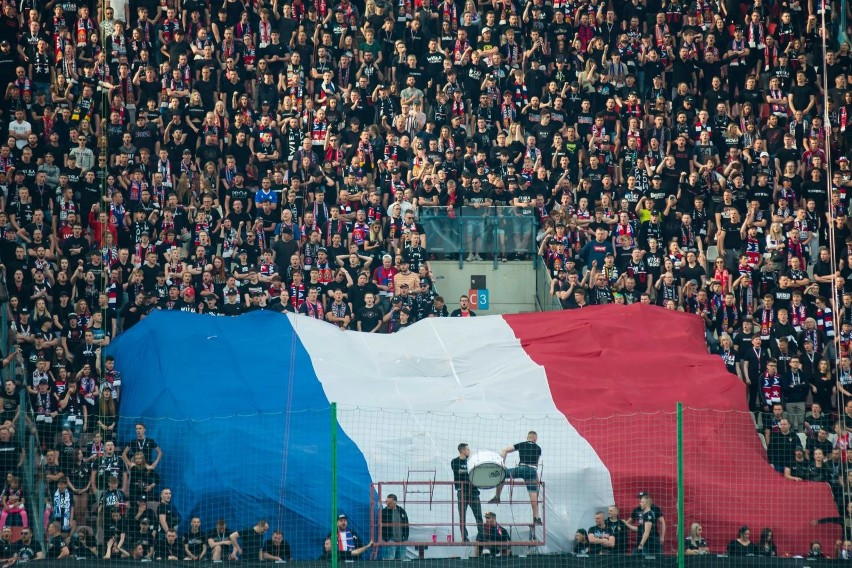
(656, 176)
(341, 516)
(396, 300)
(655, 212)
(424, 282)
(764, 154)
(642, 494)
(24, 311)
(842, 159)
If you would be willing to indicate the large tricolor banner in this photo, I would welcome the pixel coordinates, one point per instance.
(240, 408)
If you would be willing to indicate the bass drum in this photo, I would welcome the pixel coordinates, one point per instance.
(485, 469)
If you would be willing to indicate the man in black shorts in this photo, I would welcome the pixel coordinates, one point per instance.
(529, 453)
(468, 495)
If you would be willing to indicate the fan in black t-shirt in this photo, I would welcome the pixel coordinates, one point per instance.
(248, 542)
(529, 452)
(370, 316)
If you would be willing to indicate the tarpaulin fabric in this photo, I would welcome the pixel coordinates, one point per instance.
(483, 381)
(212, 392)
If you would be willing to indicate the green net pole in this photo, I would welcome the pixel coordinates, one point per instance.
(680, 523)
(334, 533)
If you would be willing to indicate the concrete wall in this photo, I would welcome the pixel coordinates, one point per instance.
(511, 287)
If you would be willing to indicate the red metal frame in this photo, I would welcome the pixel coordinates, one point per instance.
(379, 489)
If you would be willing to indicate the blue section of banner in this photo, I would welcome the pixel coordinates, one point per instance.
(243, 422)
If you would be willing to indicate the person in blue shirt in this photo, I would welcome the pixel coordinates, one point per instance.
(594, 251)
(265, 194)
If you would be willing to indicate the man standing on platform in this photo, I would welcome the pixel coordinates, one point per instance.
(468, 495)
(529, 453)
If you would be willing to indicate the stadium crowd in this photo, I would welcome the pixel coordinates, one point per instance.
(224, 157)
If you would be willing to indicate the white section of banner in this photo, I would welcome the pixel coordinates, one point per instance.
(446, 381)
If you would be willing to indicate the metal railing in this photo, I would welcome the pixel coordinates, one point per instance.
(487, 232)
(544, 302)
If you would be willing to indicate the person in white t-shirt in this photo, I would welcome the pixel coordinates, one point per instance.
(20, 129)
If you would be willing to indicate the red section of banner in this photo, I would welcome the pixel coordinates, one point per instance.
(623, 360)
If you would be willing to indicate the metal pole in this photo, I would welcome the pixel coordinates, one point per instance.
(680, 523)
(334, 534)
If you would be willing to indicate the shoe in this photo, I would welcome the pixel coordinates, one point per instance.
(494, 501)
(477, 257)
(503, 258)
(537, 521)
(470, 257)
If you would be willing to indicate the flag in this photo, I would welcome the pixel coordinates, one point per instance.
(599, 385)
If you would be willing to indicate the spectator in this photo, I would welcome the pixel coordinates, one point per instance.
(781, 446)
(795, 394)
(83, 545)
(581, 543)
(650, 537)
(766, 546)
(28, 549)
(142, 443)
(463, 311)
(493, 533)
(168, 548)
(695, 543)
(218, 540)
(168, 518)
(246, 544)
(276, 549)
(194, 541)
(529, 454)
(57, 546)
(466, 492)
(799, 469)
(618, 529)
(601, 539)
(394, 529)
(636, 517)
(742, 545)
(815, 421)
(11, 454)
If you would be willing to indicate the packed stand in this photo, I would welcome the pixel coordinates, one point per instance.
(225, 158)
